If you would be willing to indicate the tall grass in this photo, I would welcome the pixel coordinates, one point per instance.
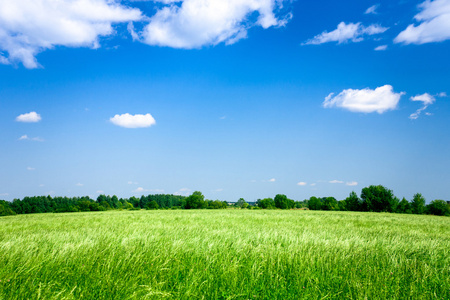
(227, 254)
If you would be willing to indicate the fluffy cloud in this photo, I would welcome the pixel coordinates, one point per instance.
(272, 180)
(427, 100)
(28, 27)
(434, 24)
(31, 117)
(195, 23)
(351, 183)
(301, 183)
(366, 100)
(133, 121)
(372, 10)
(346, 32)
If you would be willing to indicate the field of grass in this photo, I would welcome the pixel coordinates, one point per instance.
(224, 254)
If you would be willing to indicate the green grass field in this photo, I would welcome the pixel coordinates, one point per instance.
(224, 254)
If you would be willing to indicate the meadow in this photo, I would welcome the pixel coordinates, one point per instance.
(224, 254)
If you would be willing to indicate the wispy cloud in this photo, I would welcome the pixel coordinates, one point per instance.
(79, 184)
(133, 121)
(27, 138)
(366, 100)
(434, 26)
(30, 169)
(272, 180)
(372, 10)
(335, 181)
(351, 183)
(353, 32)
(381, 48)
(426, 100)
(301, 183)
(31, 117)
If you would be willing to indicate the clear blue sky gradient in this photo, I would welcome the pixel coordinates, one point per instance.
(241, 120)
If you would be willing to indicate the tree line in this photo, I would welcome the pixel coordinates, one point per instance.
(372, 199)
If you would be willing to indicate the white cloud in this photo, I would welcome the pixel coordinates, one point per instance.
(31, 117)
(191, 24)
(30, 169)
(313, 184)
(335, 181)
(427, 100)
(301, 183)
(272, 180)
(434, 24)
(100, 192)
(132, 182)
(27, 138)
(381, 48)
(139, 190)
(79, 184)
(133, 121)
(354, 32)
(372, 10)
(366, 100)
(351, 183)
(28, 27)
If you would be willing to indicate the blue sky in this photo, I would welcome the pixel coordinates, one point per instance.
(239, 98)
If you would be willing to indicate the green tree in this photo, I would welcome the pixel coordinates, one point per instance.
(152, 205)
(377, 198)
(5, 209)
(281, 201)
(404, 207)
(438, 208)
(418, 204)
(314, 203)
(196, 201)
(353, 203)
(241, 203)
(266, 203)
(329, 203)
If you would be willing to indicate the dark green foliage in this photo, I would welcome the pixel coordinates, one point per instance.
(353, 203)
(152, 205)
(314, 203)
(329, 203)
(281, 201)
(377, 198)
(266, 203)
(196, 201)
(5, 209)
(216, 204)
(404, 207)
(418, 204)
(438, 208)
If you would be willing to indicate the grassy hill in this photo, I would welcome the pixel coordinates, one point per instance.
(224, 254)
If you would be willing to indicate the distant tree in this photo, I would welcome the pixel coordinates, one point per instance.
(241, 203)
(5, 209)
(438, 208)
(314, 203)
(152, 205)
(266, 203)
(329, 203)
(342, 205)
(353, 203)
(404, 207)
(281, 201)
(377, 198)
(195, 201)
(418, 204)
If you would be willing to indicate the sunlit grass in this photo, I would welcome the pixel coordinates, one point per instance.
(226, 254)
